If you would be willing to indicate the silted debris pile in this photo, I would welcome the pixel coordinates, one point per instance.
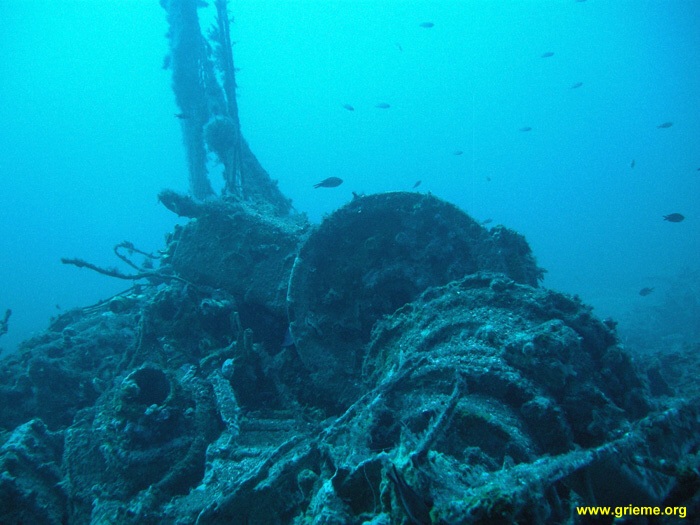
(425, 378)
(371, 257)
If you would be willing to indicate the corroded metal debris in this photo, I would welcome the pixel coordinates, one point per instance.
(374, 255)
(429, 379)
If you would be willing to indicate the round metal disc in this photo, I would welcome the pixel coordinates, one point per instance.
(366, 260)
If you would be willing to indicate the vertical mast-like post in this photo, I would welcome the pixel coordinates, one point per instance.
(234, 180)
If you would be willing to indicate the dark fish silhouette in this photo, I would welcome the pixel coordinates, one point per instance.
(399, 46)
(645, 291)
(416, 508)
(348, 107)
(486, 221)
(182, 116)
(330, 182)
(576, 85)
(665, 125)
(526, 128)
(426, 25)
(674, 217)
(632, 164)
(288, 339)
(547, 54)
(457, 152)
(383, 105)
(417, 184)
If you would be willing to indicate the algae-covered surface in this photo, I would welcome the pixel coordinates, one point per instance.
(466, 396)
(397, 363)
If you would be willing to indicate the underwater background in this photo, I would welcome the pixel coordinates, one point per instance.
(556, 108)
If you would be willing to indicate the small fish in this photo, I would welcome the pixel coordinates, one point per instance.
(383, 105)
(486, 221)
(674, 217)
(665, 125)
(288, 339)
(417, 184)
(645, 291)
(488, 179)
(416, 508)
(330, 182)
(426, 25)
(576, 85)
(526, 128)
(399, 46)
(547, 54)
(182, 116)
(348, 107)
(457, 152)
(632, 164)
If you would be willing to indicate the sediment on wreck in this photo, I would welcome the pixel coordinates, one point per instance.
(478, 399)
(372, 256)
(398, 363)
(469, 396)
(237, 247)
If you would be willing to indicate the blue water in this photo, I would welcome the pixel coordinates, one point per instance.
(88, 136)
